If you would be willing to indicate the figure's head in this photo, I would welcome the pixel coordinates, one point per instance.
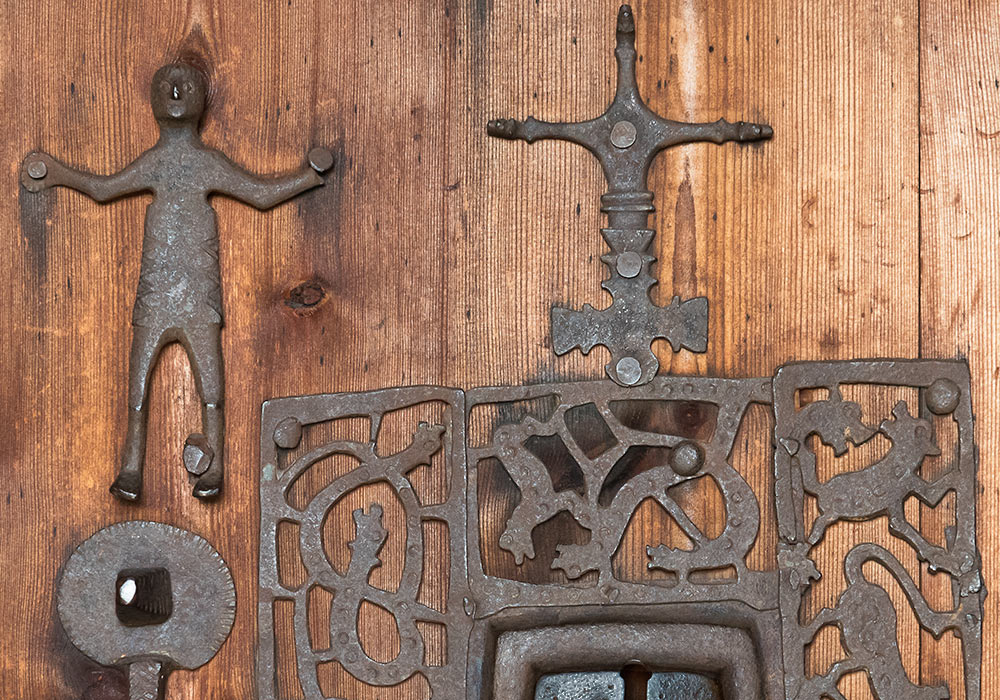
(178, 93)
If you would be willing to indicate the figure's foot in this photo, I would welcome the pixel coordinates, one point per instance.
(518, 542)
(127, 486)
(209, 485)
(577, 559)
(198, 454)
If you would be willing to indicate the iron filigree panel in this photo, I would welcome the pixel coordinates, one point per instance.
(616, 447)
(593, 452)
(284, 422)
(914, 431)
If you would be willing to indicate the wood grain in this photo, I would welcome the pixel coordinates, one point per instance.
(438, 251)
(959, 211)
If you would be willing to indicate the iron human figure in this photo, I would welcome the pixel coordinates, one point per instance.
(179, 296)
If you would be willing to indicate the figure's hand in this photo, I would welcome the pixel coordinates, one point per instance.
(40, 171)
(320, 159)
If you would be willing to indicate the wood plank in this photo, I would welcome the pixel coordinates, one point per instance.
(813, 251)
(959, 209)
(523, 223)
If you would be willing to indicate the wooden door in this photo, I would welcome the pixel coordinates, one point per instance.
(868, 227)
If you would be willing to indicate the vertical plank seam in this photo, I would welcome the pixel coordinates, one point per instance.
(920, 182)
(920, 280)
(443, 193)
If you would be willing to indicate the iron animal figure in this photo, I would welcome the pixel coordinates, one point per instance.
(179, 297)
(866, 617)
(370, 536)
(836, 421)
(882, 488)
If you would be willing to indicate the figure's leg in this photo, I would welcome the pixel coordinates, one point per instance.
(204, 346)
(819, 527)
(828, 683)
(146, 346)
(936, 557)
(931, 493)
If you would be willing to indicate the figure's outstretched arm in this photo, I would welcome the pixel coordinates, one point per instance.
(263, 192)
(41, 171)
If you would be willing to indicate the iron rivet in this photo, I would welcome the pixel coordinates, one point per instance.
(288, 433)
(37, 170)
(623, 134)
(942, 396)
(628, 370)
(320, 159)
(629, 264)
(687, 458)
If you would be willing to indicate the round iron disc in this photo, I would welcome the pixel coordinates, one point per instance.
(204, 598)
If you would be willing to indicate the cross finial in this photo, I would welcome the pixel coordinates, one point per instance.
(625, 139)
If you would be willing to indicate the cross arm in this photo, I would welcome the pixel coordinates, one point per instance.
(41, 171)
(531, 130)
(673, 133)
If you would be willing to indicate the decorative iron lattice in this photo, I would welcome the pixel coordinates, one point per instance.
(596, 451)
(616, 447)
(284, 421)
(864, 613)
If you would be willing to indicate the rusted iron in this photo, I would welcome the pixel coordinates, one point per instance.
(596, 450)
(625, 139)
(702, 623)
(635, 461)
(284, 424)
(179, 297)
(149, 598)
(726, 654)
(864, 612)
(700, 417)
(608, 685)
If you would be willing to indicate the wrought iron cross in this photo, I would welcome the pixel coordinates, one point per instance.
(625, 139)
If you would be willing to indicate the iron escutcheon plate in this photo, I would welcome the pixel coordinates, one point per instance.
(202, 594)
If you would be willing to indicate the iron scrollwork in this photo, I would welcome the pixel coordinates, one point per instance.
(595, 451)
(627, 445)
(284, 423)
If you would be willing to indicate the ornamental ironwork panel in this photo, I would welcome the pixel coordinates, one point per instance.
(596, 453)
(300, 490)
(424, 507)
(525, 623)
(936, 422)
